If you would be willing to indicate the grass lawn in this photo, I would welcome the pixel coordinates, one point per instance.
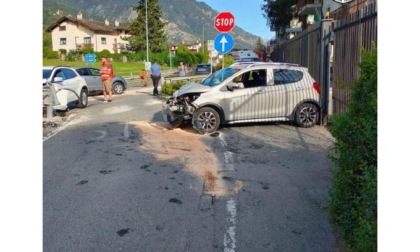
(120, 68)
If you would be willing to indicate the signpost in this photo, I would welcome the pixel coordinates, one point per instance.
(90, 58)
(224, 22)
(223, 43)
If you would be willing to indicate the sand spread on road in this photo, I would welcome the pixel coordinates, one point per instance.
(184, 147)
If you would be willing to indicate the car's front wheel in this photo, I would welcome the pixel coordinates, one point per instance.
(118, 88)
(174, 121)
(83, 99)
(206, 120)
(307, 115)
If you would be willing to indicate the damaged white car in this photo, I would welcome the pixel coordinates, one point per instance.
(244, 93)
(68, 87)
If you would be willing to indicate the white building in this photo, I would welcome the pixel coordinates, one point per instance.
(70, 33)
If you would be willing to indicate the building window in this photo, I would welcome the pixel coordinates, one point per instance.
(103, 41)
(63, 41)
(87, 41)
(62, 28)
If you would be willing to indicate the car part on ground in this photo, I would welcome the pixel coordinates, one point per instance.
(247, 92)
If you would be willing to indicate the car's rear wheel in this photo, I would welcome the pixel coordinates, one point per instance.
(206, 120)
(118, 88)
(307, 115)
(83, 99)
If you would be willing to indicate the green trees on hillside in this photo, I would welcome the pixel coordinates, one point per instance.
(157, 37)
(278, 13)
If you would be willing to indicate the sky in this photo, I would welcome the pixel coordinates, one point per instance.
(248, 15)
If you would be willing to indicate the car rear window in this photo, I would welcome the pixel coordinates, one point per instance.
(286, 76)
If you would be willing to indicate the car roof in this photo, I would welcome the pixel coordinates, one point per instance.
(242, 65)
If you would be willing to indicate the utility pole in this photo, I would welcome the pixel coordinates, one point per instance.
(147, 36)
(203, 39)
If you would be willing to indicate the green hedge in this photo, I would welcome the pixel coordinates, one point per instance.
(353, 203)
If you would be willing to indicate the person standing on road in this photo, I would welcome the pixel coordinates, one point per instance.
(156, 74)
(107, 74)
(182, 69)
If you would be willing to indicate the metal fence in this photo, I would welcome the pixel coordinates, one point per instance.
(344, 40)
(352, 33)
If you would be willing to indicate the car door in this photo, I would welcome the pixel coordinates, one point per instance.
(248, 102)
(286, 86)
(68, 87)
(92, 77)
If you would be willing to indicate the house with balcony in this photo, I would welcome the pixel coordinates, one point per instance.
(73, 33)
(193, 46)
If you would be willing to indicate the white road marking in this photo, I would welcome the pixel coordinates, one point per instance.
(229, 160)
(117, 109)
(229, 240)
(102, 136)
(126, 135)
(63, 126)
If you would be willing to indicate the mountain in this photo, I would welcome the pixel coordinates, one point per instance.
(188, 20)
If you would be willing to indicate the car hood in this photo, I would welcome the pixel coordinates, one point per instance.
(191, 88)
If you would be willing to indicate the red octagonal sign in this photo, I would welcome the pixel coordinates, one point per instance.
(224, 22)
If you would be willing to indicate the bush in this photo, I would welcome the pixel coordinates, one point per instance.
(74, 55)
(103, 54)
(170, 88)
(228, 61)
(353, 203)
(48, 53)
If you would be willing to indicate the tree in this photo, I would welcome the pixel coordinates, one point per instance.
(278, 13)
(259, 45)
(137, 27)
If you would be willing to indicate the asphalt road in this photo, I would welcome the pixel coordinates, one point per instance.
(116, 179)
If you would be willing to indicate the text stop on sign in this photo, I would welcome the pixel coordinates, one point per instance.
(224, 22)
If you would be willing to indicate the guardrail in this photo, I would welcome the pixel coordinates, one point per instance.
(166, 78)
(49, 100)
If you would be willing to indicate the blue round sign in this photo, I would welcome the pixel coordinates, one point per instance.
(223, 43)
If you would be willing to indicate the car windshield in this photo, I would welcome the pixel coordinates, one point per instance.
(218, 77)
(46, 73)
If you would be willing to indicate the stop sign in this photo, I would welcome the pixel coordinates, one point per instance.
(224, 22)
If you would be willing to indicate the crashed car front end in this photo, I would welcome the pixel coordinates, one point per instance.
(180, 107)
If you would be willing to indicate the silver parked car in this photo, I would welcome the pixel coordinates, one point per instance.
(247, 92)
(94, 82)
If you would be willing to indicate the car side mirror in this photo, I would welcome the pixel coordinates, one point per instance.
(234, 85)
(58, 79)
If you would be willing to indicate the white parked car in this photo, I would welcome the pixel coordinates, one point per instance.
(69, 86)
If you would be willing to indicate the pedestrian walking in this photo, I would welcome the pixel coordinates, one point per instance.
(156, 72)
(107, 74)
(182, 69)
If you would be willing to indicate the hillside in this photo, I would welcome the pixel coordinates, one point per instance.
(188, 19)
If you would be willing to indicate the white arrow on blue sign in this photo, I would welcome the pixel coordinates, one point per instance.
(223, 43)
